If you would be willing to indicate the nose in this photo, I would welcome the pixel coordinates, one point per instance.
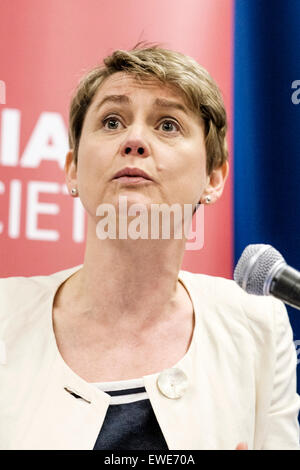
(135, 148)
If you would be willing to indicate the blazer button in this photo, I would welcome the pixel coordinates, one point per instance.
(172, 383)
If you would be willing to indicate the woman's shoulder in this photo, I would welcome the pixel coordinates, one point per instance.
(229, 301)
(20, 292)
(36, 281)
(259, 325)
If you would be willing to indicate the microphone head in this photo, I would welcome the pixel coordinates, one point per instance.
(256, 268)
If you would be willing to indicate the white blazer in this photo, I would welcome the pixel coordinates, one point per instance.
(240, 367)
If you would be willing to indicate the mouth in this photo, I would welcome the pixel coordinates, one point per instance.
(132, 175)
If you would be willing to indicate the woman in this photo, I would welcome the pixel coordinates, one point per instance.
(127, 351)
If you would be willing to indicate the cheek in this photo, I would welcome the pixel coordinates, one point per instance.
(93, 157)
(191, 164)
(193, 173)
(184, 174)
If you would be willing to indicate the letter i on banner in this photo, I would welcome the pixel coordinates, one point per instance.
(10, 137)
(2, 92)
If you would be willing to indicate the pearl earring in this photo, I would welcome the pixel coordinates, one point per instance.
(74, 191)
(207, 199)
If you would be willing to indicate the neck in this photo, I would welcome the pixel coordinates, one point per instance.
(130, 279)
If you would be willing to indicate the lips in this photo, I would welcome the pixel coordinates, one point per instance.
(133, 172)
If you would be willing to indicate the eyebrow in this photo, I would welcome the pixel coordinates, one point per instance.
(158, 103)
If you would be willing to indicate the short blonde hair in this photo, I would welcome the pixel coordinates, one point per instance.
(145, 61)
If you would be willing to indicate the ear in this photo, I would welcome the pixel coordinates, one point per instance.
(70, 171)
(216, 182)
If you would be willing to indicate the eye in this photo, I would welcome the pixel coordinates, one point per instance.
(112, 122)
(168, 125)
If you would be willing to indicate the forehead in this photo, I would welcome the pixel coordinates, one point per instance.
(121, 83)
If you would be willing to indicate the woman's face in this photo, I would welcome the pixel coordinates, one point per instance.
(139, 125)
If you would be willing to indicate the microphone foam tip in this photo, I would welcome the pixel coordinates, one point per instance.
(255, 266)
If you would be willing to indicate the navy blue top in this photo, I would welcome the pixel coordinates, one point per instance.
(130, 422)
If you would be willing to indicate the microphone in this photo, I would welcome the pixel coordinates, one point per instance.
(262, 270)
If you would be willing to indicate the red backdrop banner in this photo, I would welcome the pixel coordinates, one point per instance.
(45, 47)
